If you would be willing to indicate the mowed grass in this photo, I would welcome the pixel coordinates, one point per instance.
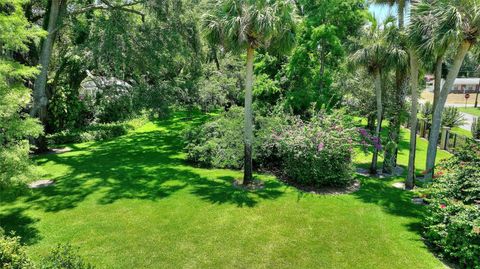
(470, 110)
(135, 203)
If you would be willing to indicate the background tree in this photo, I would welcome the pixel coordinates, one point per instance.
(15, 125)
(240, 25)
(375, 56)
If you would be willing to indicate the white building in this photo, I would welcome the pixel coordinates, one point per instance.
(461, 85)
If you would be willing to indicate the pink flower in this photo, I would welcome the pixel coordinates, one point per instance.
(320, 147)
(442, 206)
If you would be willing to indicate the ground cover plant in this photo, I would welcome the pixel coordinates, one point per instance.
(177, 215)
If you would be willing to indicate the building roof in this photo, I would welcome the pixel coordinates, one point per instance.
(467, 81)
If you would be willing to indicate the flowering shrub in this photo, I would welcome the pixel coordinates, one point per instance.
(316, 153)
(319, 152)
(367, 140)
(453, 221)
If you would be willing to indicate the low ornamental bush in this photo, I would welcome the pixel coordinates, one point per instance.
(95, 132)
(13, 254)
(317, 153)
(452, 224)
(64, 257)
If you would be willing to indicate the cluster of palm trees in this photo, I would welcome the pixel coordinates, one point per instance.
(435, 27)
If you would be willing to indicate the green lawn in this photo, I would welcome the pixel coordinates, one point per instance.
(135, 203)
(470, 110)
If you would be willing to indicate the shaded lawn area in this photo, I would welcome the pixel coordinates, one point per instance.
(135, 203)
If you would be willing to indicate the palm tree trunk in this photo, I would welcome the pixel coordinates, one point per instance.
(437, 114)
(438, 80)
(248, 167)
(401, 13)
(410, 182)
(378, 95)
(40, 99)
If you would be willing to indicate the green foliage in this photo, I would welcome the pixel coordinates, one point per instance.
(13, 254)
(66, 111)
(323, 42)
(319, 152)
(314, 153)
(64, 257)
(452, 117)
(218, 143)
(453, 221)
(95, 132)
(15, 125)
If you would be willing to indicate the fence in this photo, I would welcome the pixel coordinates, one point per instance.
(448, 140)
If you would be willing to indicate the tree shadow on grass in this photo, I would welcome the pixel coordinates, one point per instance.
(14, 222)
(393, 201)
(144, 166)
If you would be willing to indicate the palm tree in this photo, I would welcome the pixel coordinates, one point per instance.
(376, 56)
(458, 21)
(401, 75)
(246, 25)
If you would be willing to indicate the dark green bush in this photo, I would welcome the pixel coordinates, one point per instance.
(12, 253)
(453, 222)
(64, 257)
(218, 143)
(95, 132)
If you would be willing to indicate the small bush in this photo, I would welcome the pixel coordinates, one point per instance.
(453, 221)
(319, 152)
(12, 253)
(218, 143)
(452, 117)
(95, 132)
(64, 257)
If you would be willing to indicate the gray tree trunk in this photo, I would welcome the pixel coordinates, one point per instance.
(378, 95)
(40, 99)
(437, 114)
(438, 80)
(414, 70)
(248, 167)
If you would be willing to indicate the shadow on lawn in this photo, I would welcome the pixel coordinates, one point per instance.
(394, 201)
(138, 166)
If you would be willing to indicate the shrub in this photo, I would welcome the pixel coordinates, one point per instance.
(218, 143)
(12, 253)
(64, 257)
(452, 117)
(453, 221)
(95, 132)
(314, 153)
(319, 152)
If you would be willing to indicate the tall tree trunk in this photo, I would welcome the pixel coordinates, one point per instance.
(391, 150)
(437, 114)
(402, 5)
(248, 167)
(438, 80)
(378, 95)
(414, 70)
(40, 99)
